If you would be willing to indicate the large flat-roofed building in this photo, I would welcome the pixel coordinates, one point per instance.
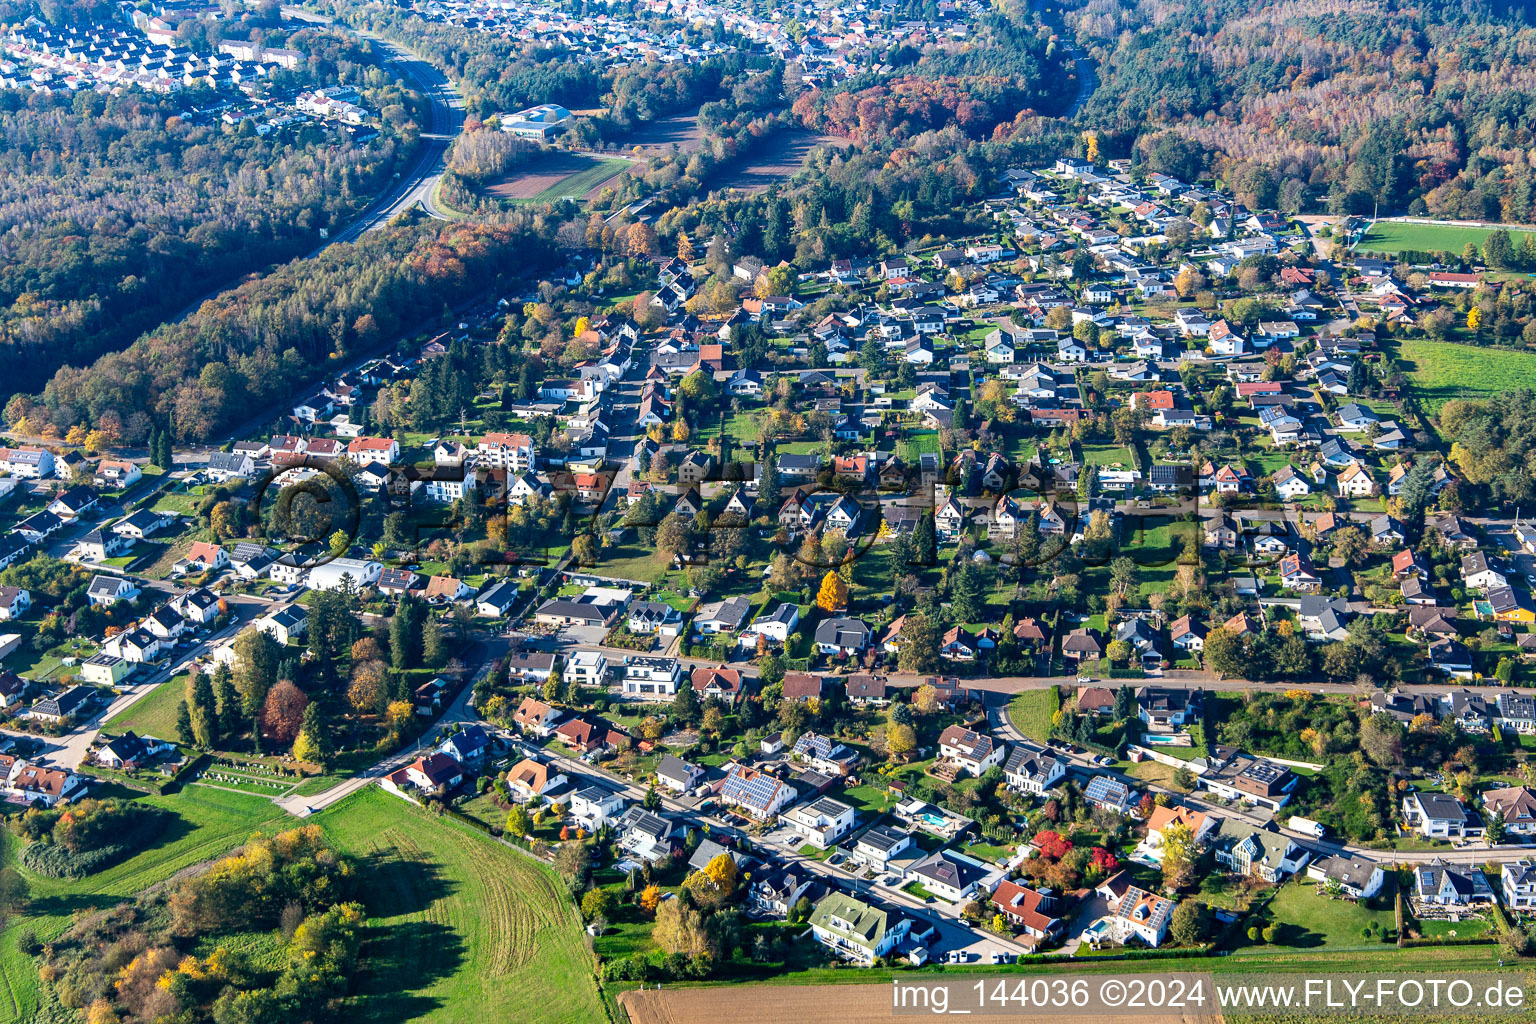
(544, 121)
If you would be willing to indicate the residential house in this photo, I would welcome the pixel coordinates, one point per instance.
(822, 822)
(678, 775)
(857, 930)
(1451, 885)
(651, 678)
(1264, 853)
(1441, 816)
(971, 751)
(1355, 877)
(1032, 770)
(755, 793)
(1031, 910)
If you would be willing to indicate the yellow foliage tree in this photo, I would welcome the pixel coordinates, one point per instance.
(722, 871)
(650, 896)
(833, 595)
(1474, 318)
(400, 714)
(305, 748)
(101, 1012)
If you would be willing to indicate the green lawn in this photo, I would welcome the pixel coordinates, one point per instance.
(916, 443)
(1391, 237)
(1467, 929)
(1307, 920)
(1107, 455)
(468, 929)
(1031, 712)
(1443, 370)
(154, 713)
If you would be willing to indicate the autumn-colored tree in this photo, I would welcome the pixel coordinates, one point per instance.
(369, 692)
(650, 897)
(517, 823)
(101, 1012)
(900, 740)
(224, 520)
(1474, 318)
(723, 872)
(282, 714)
(367, 648)
(400, 714)
(684, 247)
(926, 699)
(833, 595)
(641, 238)
(681, 928)
(1052, 845)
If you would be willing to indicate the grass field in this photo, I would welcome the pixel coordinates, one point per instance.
(1391, 237)
(1443, 370)
(1031, 712)
(153, 714)
(467, 929)
(1306, 920)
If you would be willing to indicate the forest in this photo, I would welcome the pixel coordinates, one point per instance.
(117, 212)
(1424, 107)
(1494, 442)
(1011, 65)
(247, 348)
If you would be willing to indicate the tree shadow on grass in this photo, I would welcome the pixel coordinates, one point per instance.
(400, 960)
(399, 886)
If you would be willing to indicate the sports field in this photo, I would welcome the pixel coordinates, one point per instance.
(1443, 370)
(1395, 236)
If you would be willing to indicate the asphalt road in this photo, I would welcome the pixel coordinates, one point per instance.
(418, 186)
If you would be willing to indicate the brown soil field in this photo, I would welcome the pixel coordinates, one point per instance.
(658, 137)
(546, 172)
(771, 160)
(810, 1004)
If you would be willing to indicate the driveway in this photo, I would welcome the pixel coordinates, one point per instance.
(1089, 911)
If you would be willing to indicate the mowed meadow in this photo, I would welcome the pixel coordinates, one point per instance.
(462, 928)
(1444, 370)
(1389, 237)
(467, 928)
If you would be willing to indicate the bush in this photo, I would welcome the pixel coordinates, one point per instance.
(75, 841)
